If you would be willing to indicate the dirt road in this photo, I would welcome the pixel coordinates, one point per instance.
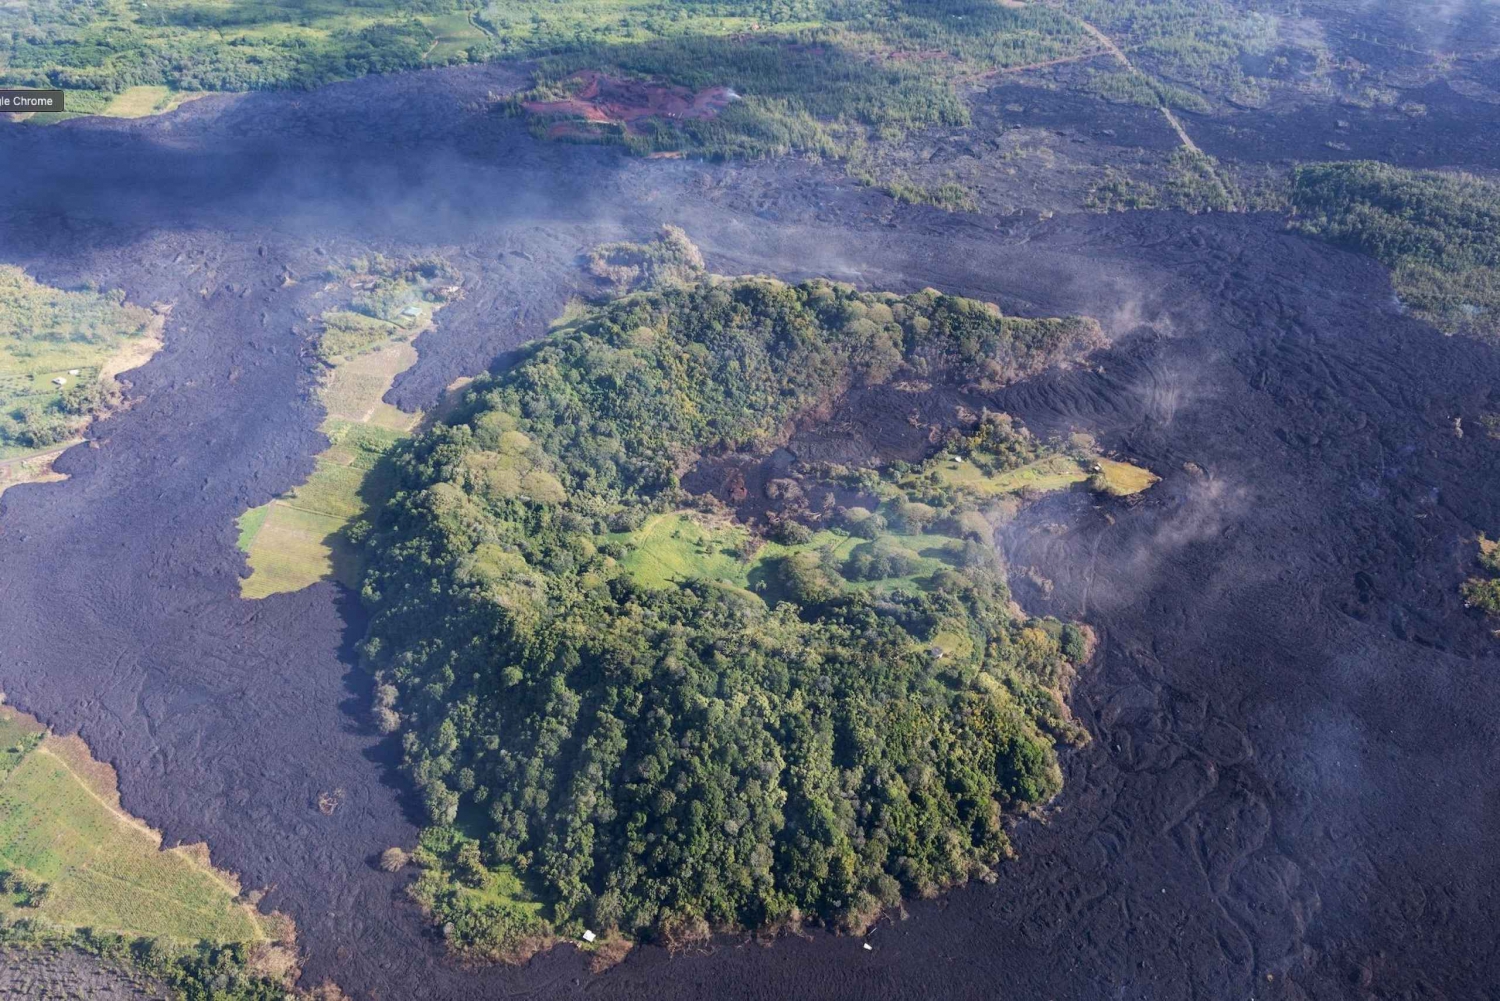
(1167, 113)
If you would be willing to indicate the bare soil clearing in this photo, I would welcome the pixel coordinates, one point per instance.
(1290, 791)
(605, 100)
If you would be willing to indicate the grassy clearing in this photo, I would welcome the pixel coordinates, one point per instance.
(454, 37)
(1121, 479)
(1051, 473)
(679, 546)
(479, 900)
(298, 539)
(139, 102)
(1055, 472)
(291, 550)
(295, 540)
(76, 860)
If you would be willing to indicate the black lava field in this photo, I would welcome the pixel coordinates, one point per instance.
(1291, 790)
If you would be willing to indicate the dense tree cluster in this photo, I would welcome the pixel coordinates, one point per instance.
(1439, 233)
(28, 891)
(666, 760)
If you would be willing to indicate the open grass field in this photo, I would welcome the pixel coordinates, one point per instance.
(292, 549)
(294, 541)
(454, 36)
(1121, 479)
(679, 546)
(297, 540)
(61, 827)
(138, 102)
(1056, 472)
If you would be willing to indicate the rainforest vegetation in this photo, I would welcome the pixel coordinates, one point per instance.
(661, 757)
(1439, 233)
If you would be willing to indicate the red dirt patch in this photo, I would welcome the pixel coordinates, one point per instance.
(917, 55)
(604, 100)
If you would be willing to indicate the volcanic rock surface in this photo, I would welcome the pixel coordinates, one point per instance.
(1291, 791)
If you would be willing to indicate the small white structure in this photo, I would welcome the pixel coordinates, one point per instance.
(411, 311)
(589, 936)
(72, 371)
(869, 947)
(59, 381)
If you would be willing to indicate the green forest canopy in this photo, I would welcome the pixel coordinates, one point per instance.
(1439, 233)
(664, 759)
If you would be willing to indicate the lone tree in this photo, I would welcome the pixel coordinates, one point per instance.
(393, 860)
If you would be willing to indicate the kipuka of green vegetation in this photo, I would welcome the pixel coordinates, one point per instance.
(101, 50)
(638, 752)
(54, 346)
(1188, 47)
(1484, 591)
(298, 538)
(1439, 233)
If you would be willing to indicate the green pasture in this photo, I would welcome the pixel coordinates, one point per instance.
(100, 869)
